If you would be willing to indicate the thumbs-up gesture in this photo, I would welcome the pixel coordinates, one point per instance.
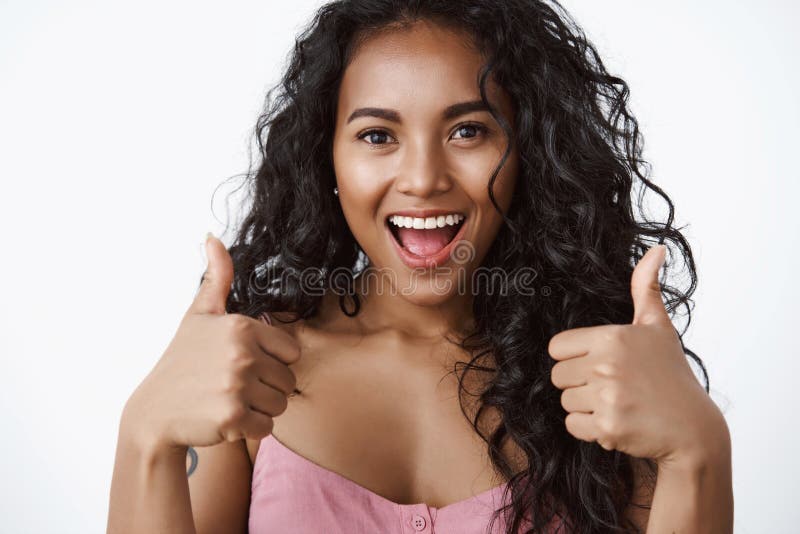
(222, 377)
(630, 387)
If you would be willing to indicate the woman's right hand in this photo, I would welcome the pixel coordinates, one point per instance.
(223, 377)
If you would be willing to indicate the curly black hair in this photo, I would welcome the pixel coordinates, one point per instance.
(572, 220)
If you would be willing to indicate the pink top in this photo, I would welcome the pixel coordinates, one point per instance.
(292, 494)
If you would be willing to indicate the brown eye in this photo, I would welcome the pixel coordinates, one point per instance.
(468, 131)
(376, 137)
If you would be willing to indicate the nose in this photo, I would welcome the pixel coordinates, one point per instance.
(422, 172)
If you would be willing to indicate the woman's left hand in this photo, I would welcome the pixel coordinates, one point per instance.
(630, 387)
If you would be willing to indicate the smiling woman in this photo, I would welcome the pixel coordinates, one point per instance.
(411, 146)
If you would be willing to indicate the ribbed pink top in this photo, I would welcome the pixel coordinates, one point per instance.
(292, 494)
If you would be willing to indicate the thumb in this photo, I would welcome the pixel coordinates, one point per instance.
(217, 279)
(648, 308)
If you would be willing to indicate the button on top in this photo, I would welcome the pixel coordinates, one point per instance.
(418, 522)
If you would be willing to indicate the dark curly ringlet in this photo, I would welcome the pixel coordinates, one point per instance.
(571, 220)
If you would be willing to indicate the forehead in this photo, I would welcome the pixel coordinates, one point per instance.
(424, 66)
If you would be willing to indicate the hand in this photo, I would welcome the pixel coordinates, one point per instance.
(630, 387)
(223, 376)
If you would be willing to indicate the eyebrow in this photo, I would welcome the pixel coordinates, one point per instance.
(451, 112)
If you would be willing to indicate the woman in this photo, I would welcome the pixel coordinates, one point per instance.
(430, 319)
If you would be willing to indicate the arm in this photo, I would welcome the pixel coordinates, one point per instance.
(150, 492)
(694, 493)
(149, 488)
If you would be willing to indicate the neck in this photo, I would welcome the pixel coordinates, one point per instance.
(384, 308)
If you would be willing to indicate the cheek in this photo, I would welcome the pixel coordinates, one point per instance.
(474, 172)
(361, 184)
(356, 168)
(489, 220)
(505, 184)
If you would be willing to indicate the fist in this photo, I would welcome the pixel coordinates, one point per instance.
(629, 387)
(222, 377)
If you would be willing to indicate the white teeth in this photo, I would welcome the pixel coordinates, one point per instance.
(439, 221)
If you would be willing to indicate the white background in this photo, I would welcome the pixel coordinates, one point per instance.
(118, 121)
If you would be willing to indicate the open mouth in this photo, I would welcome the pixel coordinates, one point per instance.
(425, 240)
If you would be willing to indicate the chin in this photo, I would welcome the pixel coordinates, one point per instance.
(425, 290)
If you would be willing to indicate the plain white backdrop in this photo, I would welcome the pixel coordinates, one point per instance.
(119, 119)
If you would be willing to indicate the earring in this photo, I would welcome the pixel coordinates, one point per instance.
(336, 191)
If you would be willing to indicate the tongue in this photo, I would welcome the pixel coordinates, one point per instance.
(426, 242)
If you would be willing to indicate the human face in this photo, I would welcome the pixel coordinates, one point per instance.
(406, 142)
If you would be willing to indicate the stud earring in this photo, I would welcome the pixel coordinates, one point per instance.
(336, 191)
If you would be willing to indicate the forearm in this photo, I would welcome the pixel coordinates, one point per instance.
(694, 495)
(149, 488)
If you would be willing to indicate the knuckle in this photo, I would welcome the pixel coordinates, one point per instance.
(607, 444)
(614, 334)
(241, 356)
(608, 367)
(233, 416)
(237, 324)
(292, 353)
(609, 428)
(232, 435)
(612, 396)
(232, 384)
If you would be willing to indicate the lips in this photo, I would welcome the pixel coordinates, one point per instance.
(425, 248)
(425, 242)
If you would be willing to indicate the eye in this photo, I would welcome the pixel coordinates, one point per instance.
(468, 131)
(376, 137)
